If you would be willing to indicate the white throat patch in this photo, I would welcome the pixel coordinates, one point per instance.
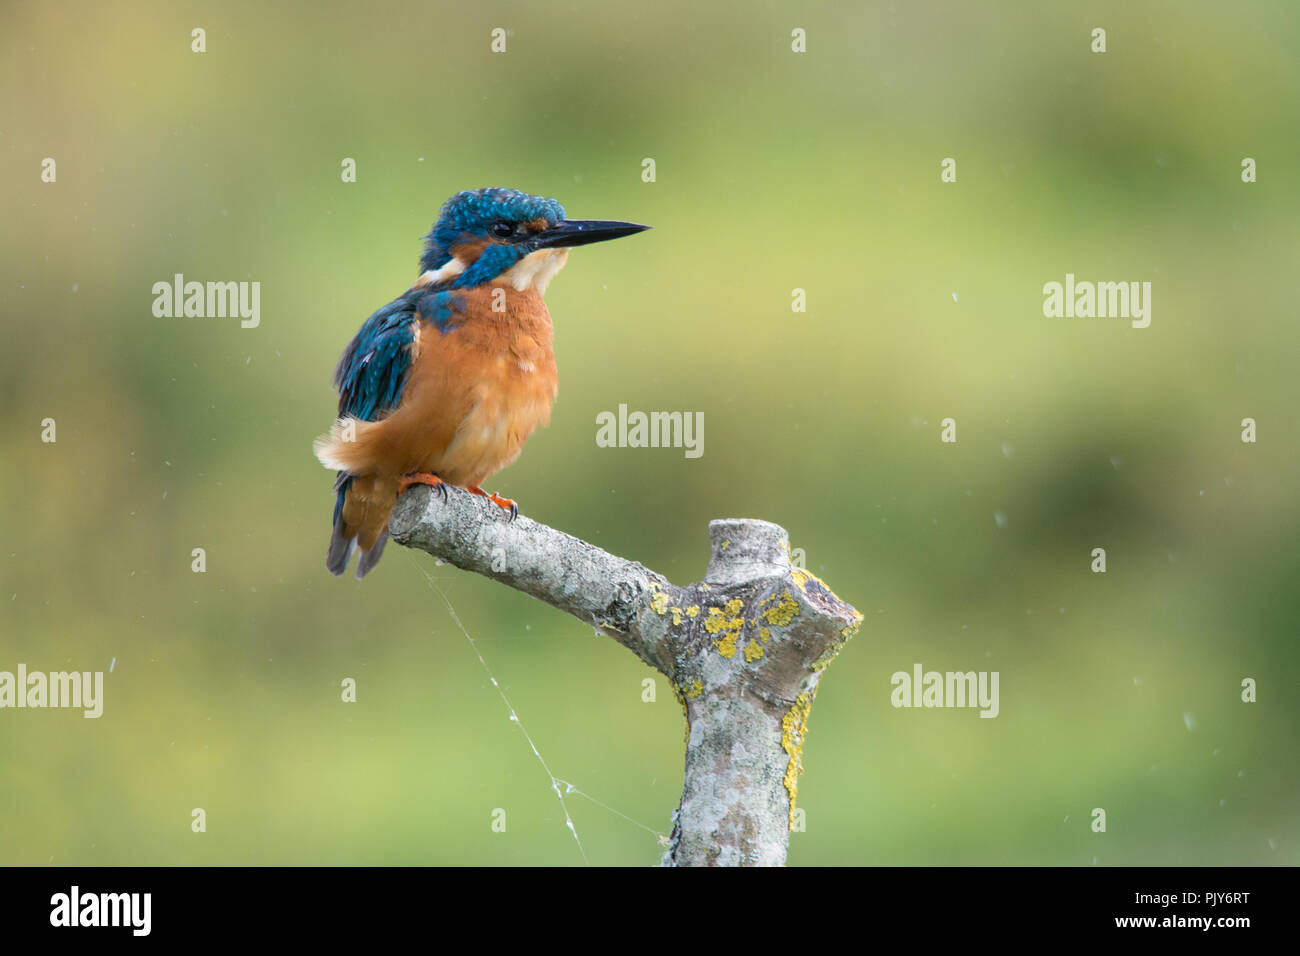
(535, 270)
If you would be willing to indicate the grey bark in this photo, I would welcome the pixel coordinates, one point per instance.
(743, 650)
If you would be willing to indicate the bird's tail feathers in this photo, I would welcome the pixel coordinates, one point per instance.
(342, 544)
(361, 511)
(370, 558)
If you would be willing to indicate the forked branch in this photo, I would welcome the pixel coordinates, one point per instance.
(743, 650)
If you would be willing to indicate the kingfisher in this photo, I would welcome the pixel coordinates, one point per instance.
(443, 385)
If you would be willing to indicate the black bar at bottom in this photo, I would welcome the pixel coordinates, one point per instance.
(212, 905)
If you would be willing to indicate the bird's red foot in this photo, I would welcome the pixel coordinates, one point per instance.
(423, 478)
(504, 503)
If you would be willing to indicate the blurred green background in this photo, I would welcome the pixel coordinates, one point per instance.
(775, 171)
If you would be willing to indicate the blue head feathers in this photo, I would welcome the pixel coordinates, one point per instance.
(493, 214)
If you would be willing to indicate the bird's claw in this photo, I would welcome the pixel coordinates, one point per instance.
(423, 478)
(504, 503)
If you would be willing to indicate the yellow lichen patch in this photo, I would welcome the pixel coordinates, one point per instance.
(846, 632)
(717, 621)
(694, 689)
(801, 578)
(753, 651)
(828, 655)
(727, 646)
(728, 623)
(794, 728)
(783, 613)
(659, 601)
(765, 634)
(681, 699)
(693, 611)
(726, 544)
(677, 616)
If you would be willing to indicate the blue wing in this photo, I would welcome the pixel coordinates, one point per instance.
(370, 377)
(372, 372)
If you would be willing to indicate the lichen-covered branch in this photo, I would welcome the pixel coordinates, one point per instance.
(744, 650)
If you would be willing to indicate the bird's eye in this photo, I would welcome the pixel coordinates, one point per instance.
(502, 229)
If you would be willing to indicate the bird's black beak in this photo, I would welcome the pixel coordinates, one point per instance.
(581, 232)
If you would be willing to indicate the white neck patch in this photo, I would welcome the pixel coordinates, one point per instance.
(453, 267)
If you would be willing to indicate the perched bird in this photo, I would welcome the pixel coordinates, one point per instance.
(444, 384)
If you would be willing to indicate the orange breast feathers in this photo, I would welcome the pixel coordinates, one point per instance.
(473, 395)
